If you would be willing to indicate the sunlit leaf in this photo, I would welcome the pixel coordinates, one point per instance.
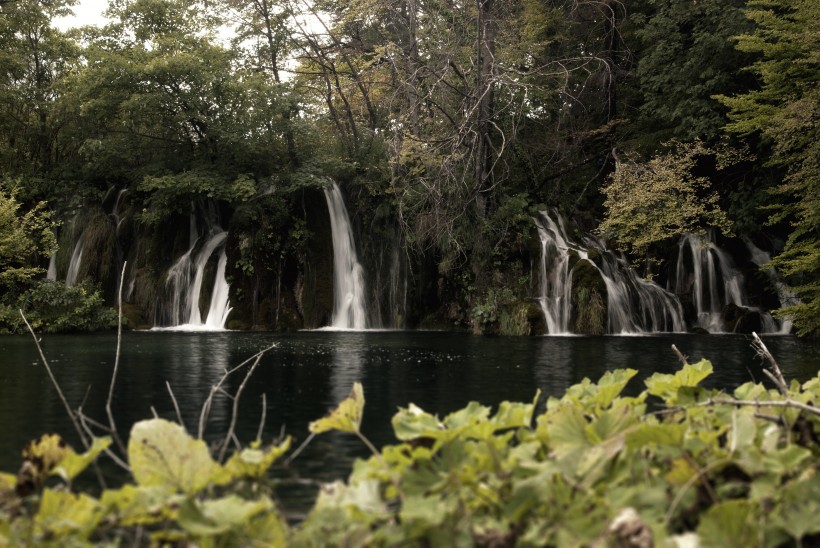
(413, 422)
(255, 463)
(347, 417)
(73, 464)
(162, 453)
(141, 505)
(212, 517)
(62, 514)
(680, 472)
(666, 386)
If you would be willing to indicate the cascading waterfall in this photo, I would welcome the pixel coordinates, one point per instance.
(184, 281)
(76, 261)
(634, 305)
(51, 274)
(556, 278)
(714, 283)
(349, 291)
(784, 294)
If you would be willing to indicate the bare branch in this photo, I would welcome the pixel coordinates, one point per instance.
(108, 411)
(56, 385)
(176, 405)
(775, 374)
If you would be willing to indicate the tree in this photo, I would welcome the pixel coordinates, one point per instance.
(34, 58)
(785, 112)
(664, 198)
(26, 237)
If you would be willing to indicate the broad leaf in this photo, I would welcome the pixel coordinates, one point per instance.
(73, 464)
(255, 463)
(347, 417)
(162, 453)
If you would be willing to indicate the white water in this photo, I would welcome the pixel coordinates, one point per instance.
(349, 291)
(634, 305)
(784, 294)
(51, 275)
(556, 279)
(184, 281)
(76, 261)
(714, 282)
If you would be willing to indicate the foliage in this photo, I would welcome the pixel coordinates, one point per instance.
(785, 111)
(53, 307)
(25, 238)
(683, 58)
(664, 198)
(593, 467)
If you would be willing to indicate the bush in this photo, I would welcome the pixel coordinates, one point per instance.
(53, 307)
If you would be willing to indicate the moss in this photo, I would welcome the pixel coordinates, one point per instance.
(589, 308)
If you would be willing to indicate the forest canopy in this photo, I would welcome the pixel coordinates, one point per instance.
(449, 125)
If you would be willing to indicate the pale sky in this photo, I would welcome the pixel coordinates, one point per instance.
(86, 12)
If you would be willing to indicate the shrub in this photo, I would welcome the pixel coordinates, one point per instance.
(53, 307)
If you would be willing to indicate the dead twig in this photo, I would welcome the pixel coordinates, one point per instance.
(235, 411)
(217, 388)
(56, 385)
(680, 355)
(262, 418)
(108, 411)
(787, 403)
(176, 405)
(775, 374)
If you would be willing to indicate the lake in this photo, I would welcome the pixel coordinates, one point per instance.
(308, 373)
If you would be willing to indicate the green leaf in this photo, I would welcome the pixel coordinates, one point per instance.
(730, 523)
(135, 505)
(347, 417)
(667, 386)
(255, 463)
(72, 464)
(213, 517)
(413, 423)
(63, 514)
(162, 453)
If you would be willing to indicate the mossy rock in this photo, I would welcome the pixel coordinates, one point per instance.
(589, 300)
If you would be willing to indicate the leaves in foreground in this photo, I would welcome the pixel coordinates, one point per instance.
(594, 468)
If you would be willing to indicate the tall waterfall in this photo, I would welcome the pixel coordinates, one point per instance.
(349, 291)
(184, 281)
(76, 261)
(556, 277)
(709, 275)
(634, 305)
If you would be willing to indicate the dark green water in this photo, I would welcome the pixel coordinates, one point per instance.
(308, 373)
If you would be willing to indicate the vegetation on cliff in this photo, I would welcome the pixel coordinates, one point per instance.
(445, 143)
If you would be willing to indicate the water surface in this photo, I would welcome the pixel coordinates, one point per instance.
(308, 373)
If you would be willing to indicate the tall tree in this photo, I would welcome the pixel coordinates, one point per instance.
(785, 111)
(34, 56)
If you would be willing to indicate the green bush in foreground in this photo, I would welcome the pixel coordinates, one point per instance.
(594, 469)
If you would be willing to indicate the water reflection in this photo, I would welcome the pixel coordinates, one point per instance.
(347, 365)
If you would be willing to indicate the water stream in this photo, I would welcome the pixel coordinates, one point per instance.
(349, 311)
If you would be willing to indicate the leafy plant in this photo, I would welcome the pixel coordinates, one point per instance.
(591, 468)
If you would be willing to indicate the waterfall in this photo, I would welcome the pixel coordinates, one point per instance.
(715, 285)
(784, 294)
(51, 275)
(74, 264)
(184, 282)
(556, 278)
(348, 275)
(634, 305)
